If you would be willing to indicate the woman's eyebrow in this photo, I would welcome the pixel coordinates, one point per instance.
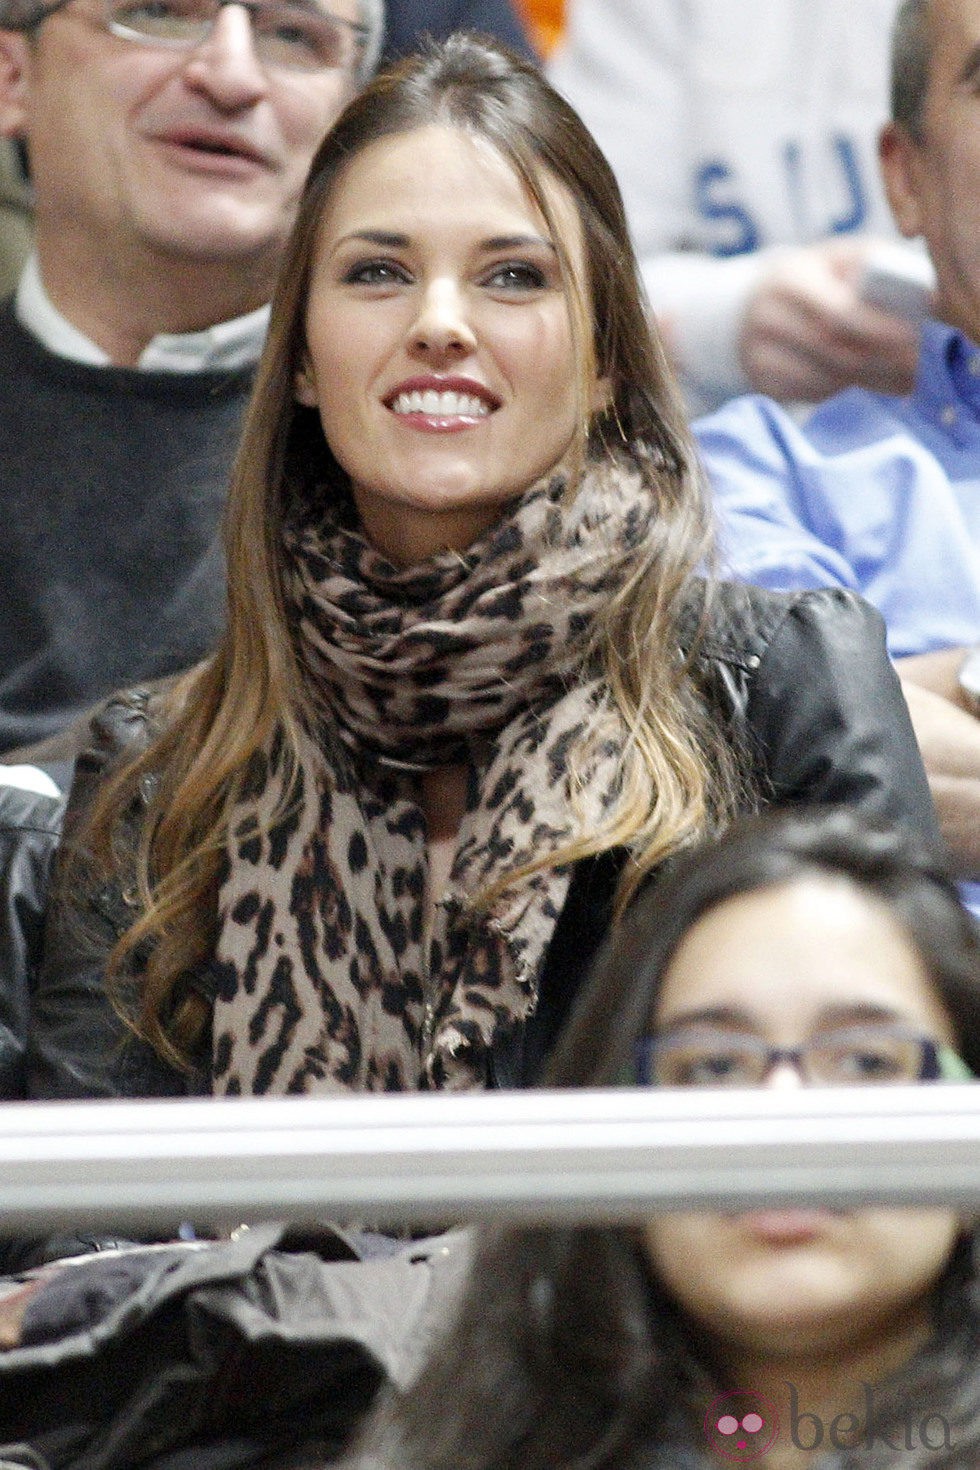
(389, 239)
(517, 242)
(848, 1014)
(394, 240)
(732, 1016)
(857, 1011)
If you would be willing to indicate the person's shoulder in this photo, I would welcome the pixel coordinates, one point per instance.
(854, 419)
(845, 421)
(758, 455)
(107, 738)
(751, 430)
(743, 414)
(29, 814)
(125, 723)
(736, 623)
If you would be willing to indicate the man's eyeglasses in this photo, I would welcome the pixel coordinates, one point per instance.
(703, 1056)
(295, 34)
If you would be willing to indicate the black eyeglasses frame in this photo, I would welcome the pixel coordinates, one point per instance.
(930, 1065)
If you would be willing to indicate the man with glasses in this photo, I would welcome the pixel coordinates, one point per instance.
(168, 141)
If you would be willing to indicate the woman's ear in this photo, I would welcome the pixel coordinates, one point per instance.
(304, 385)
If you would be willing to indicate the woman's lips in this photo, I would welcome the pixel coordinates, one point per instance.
(439, 407)
(788, 1227)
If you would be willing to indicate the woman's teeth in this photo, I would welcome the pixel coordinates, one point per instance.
(441, 405)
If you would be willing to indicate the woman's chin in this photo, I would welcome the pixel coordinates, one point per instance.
(414, 521)
(811, 1327)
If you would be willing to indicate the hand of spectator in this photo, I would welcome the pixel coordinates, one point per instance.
(949, 739)
(807, 333)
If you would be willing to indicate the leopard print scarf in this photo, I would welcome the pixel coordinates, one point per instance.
(329, 978)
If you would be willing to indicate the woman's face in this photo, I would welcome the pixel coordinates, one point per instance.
(439, 340)
(787, 964)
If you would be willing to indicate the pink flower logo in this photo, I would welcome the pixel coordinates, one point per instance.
(741, 1426)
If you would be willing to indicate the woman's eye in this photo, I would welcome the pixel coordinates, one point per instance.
(716, 1069)
(375, 273)
(697, 1066)
(517, 276)
(868, 1065)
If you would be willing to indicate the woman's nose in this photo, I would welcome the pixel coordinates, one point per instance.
(784, 1075)
(442, 325)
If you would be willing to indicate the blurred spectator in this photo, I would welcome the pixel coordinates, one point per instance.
(130, 350)
(407, 20)
(165, 181)
(882, 494)
(743, 136)
(545, 20)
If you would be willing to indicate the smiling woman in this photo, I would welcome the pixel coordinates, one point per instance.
(438, 323)
(473, 686)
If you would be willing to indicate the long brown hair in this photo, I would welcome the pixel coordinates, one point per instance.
(679, 778)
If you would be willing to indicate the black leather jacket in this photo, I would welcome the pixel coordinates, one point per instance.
(29, 829)
(804, 681)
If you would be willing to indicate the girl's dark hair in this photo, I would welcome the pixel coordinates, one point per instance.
(566, 1352)
(763, 852)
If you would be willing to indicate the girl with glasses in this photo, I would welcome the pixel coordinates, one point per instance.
(802, 949)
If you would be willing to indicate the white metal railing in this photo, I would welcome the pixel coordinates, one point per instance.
(421, 1159)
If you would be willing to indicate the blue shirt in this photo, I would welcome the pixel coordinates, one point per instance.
(874, 493)
(878, 494)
